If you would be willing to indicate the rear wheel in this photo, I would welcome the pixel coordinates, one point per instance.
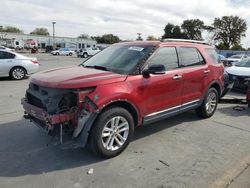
(112, 132)
(17, 73)
(70, 54)
(209, 104)
(57, 53)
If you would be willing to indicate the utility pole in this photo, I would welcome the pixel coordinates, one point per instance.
(54, 35)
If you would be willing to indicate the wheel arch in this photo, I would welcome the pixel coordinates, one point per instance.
(18, 66)
(216, 86)
(126, 105)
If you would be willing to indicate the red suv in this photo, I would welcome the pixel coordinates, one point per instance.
(128, 84)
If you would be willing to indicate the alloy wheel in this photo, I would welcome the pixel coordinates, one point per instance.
(115, 133)
(211, 102)
(18, 73)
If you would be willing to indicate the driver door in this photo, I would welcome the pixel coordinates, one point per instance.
(162, 93)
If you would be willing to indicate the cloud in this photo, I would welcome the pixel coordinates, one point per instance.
(124, 18)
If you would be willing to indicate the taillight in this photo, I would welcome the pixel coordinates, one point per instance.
(34, 61)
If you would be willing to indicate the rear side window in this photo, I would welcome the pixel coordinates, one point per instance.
(6, 55)
(213, 55)
(166, 56)
(190, 57)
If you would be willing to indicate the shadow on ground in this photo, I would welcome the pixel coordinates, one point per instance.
(25, 149)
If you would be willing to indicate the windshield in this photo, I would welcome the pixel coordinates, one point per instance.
(122, 59)
(243, 63)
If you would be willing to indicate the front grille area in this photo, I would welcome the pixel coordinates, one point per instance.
(34, 100)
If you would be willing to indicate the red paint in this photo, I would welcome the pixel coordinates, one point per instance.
(147, 95)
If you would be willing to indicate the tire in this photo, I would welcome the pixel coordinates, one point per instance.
(107, 139)
(57, 53)
(70, 54)
(85, 55)
(209, 105)
(17, 73)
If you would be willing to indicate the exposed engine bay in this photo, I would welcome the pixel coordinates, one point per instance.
(58, 111)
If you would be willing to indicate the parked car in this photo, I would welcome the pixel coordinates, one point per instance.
(87, 52)
(5, 48)
(16, 65)
(127, 85)
(63, 51)
(239, 72)
(235, 58)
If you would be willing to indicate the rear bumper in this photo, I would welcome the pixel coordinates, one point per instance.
(32, 69)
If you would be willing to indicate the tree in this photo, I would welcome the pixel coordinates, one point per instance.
(192, 29)
(172, 31)
(151, 38)
(229, 30)
(40, 31)
(106, 39)
(237, 47)
(11, 29)
(83, 36)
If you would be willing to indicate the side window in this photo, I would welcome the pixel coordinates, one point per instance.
(213, 55)
(190, 57)
(166, 56)
(6, 55)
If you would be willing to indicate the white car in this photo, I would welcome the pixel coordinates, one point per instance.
(239, 72)
(63, 51)
(232, 60)
(88, 52)
(16, 65)
(5, 48)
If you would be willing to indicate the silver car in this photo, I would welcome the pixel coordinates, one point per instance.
(16, 65)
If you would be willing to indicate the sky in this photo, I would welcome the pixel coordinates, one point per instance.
(124, 18)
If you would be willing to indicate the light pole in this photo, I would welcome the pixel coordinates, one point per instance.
(53, 34)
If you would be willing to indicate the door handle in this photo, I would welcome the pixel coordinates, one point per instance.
(206, 71)
(177, 77)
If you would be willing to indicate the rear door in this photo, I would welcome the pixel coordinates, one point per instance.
(195, 73)
(6, 62)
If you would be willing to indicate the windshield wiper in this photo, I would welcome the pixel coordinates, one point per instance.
(96, 67)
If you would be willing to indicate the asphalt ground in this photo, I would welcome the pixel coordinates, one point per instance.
(182, 151)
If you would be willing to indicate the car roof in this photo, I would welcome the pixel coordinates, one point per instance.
(165, 43)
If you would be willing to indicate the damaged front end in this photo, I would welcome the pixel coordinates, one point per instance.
(61, 112)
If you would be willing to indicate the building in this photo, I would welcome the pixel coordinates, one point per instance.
(17, 40)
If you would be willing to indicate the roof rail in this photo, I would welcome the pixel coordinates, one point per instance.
(185, 40)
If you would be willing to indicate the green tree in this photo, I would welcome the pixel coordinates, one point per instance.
(151, 38)
(11, 29)
(237, 47)
(192, 29)
(40, 31)
(229, 30)
(83, 36)
(172, 31)
(106, 39)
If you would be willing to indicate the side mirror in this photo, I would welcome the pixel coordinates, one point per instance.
(154, 69)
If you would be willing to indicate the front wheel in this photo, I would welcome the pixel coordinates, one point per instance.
(209, 104)
(112, 132)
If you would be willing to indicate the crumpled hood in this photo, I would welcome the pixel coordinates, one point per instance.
(75, 77)
(238, 71)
